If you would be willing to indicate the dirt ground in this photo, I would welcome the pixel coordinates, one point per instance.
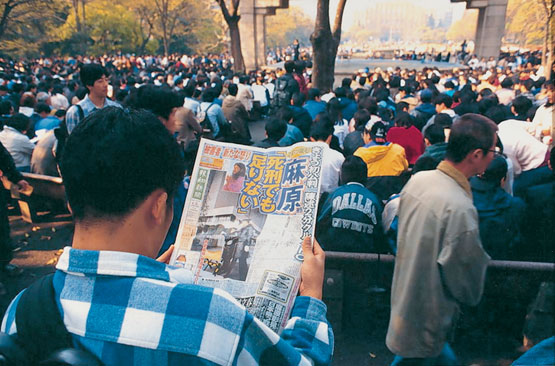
(477, 343)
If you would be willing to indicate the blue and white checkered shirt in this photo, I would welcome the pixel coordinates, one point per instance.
(128, 309)
(72, 114)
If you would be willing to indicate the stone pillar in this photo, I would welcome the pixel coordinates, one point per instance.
(491, 25)
(253, 29)
(247, 28)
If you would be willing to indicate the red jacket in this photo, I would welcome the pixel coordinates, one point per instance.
(409, 138)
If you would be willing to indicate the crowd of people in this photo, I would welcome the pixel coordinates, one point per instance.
(444, 169)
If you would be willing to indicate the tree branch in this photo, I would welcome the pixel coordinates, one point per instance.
(336, 32)
(225, 12)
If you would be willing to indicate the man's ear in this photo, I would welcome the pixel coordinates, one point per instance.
(159, 205)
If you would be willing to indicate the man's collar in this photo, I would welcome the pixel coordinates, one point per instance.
(456, 175)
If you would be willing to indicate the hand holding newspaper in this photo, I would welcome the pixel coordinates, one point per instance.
(244, 221)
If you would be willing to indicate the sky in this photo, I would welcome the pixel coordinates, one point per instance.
(354, 6)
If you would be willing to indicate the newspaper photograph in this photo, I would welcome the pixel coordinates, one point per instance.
(247, 212)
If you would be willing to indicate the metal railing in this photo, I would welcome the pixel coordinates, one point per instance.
(546, 268)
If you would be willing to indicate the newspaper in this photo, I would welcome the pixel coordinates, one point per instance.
(247, 212)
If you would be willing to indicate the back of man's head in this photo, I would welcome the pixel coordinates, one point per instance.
(19, 121)
(435, 134)
(354, 169)
(160, 100)
(114, 159)
(90, 73)
(362, 116)
(298, 99)
(233, 89)
(321, 130)
(522, 104)
(275, 128)
(496, 170)
(289, 66)
(472, 131)
(313, 93)
(444, 99)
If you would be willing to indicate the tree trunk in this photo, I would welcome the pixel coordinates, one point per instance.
(76, 13)
(236, 53)
(4, 21)
(325, 44)
(84, 25)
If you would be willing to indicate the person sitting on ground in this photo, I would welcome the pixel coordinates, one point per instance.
(425, 110)
(354, 139)
(382, 158)
(500, 214)
(350, 218)
(540, 219)
(322, 131)
(314, 104)
(47, 122)
(17, 143)
(436, 146)
(405, 134)
(275, 130)
(235, 112)
(301, 117)
(293, 134)
(520, 107)
(122, 305)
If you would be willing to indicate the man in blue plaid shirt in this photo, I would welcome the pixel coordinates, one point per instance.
(120, 172)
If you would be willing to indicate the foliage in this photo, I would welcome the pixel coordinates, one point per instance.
(525, 22)
(288, 25)
(464, 28)
(50, 27)
(26, 24)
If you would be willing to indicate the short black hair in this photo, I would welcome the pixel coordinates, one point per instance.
(285, 113)
(160, 100)
(507, 82)
(208, 95)
(361, 117)
(496, 113)
(449, 85)
(444, 99)
(321, 130)
(232, 89)
(354, 169)
(313, 93)
(6, 107)
(19, 121)
(275, 128)
(90, 73)
(42, 108)
(114, 159)
(522, 104)
(496, 170)
(435, 134)
(289, 66)
(443, 119)
(472, 131)
(404, 119)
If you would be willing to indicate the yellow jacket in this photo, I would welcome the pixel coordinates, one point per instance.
(382, 160)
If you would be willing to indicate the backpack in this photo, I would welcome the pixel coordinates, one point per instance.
(203, 117)
(41, 334)
(282, 97)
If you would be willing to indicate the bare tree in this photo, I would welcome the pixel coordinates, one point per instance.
(548, 41)
(232, 18)
(325, 42)
(168, 14)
